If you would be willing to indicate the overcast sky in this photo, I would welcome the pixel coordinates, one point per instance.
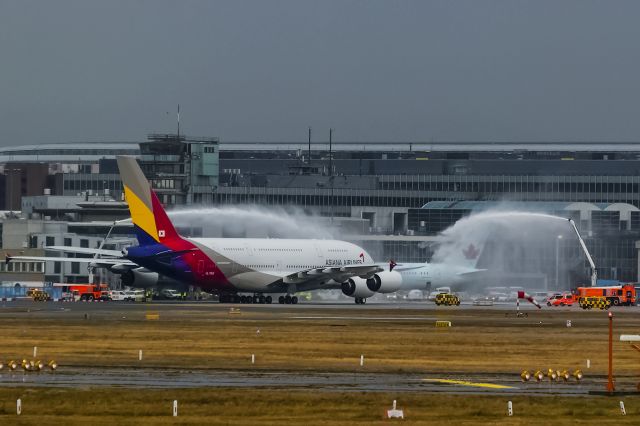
(374, 70)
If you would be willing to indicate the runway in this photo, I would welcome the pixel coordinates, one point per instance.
(193, 349)
(498, 384)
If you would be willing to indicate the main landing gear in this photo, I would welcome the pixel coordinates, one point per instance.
(288, 300)
(361, 300)
(257, 299)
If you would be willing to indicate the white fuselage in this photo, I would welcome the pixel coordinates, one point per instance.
(252, 263)
(426, 276)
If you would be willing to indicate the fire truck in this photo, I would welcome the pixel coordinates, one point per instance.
(618, 295)
(87, 292)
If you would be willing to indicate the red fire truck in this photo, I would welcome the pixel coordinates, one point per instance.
(618, 295)
(88, 292)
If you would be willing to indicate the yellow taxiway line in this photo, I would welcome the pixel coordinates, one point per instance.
(467, 383)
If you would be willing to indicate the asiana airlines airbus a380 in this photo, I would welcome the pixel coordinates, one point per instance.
(228, 266)
(258, 266)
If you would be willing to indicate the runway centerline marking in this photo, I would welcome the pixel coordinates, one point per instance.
(467, 383)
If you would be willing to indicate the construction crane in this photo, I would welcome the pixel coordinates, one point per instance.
(594, 271)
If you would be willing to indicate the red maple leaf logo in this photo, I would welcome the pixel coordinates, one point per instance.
(361, 257)
(471, 252)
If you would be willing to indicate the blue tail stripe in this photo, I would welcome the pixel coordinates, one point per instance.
(144, 239)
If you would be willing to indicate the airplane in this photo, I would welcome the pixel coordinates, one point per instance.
(427, 276)
(228, 266)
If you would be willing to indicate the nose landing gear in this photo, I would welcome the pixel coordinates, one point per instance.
(361, 300)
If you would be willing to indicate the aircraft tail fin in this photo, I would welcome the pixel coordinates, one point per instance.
(472, 253)
(150, 221)
(464, 253)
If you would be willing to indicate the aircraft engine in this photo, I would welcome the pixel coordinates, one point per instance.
(385, 282)
(140, 278)
(356, 287)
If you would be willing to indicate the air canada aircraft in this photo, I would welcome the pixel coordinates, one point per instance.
(459, 271)
(229, 266)
(456, 273)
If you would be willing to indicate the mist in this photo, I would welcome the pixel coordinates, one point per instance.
(251, 221)
(516, 248)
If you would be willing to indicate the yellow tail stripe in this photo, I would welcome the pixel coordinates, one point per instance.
(140, 214)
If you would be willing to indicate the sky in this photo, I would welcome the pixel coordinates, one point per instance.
(265, 70)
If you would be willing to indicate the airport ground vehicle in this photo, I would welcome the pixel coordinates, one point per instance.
(499, 297)
(117, 295)
(553, 297)
(89, 292)
(566, 299)
(134, 296)
(447, 299)
(617, 295)
(483, 301)
(590, 302)
(170, 294)
(38, 295)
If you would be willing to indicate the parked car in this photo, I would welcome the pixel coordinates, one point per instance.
(565, 299)
(168, 293)
(117, 295)
(483, 301)
(134, 296)
(499, 297)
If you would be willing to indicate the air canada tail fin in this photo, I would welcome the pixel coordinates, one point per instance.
(471, 253)
(460, 252)
(150, 221)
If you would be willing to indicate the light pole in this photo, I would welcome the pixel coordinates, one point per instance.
(558, 261)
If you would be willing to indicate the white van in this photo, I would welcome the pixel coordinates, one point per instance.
(134, 295)
(117, 295)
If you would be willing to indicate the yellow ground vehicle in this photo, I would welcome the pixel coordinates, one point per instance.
(590, 302)
(38, 295)
(447, 299)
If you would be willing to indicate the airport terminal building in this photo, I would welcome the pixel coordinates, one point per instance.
(400, 195)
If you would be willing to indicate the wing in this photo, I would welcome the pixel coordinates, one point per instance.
(332, 277)
(470, 274)
(99, 262)
(81, 250)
